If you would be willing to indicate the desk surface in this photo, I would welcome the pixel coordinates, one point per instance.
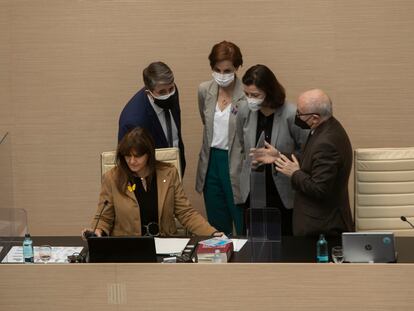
(290, 250)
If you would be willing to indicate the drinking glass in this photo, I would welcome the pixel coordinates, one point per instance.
(45, 253)
(337, 254)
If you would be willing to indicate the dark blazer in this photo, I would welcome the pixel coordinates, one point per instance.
(321, 203)
(139, 112)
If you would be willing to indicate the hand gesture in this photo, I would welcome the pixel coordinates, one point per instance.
(286, 166)
(265, 155)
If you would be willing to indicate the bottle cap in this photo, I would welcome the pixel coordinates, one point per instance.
(27, 235)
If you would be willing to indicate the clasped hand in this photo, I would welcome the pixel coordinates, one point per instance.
(270, 154)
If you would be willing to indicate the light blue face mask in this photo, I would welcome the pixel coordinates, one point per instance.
(223, 79)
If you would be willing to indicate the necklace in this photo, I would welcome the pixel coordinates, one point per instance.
(223, 104)
(144, 183)
(224, 98)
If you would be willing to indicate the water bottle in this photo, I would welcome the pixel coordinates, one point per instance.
(217, 256)
(322, 249)
(28, 256)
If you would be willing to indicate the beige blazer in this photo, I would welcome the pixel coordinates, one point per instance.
(122, 215)
(207, 100)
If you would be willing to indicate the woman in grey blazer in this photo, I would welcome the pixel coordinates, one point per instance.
(219, 161)
(268, 112)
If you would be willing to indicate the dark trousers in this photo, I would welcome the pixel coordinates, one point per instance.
(218, 195)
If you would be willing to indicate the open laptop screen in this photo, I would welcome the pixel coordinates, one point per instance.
(368, 247)
(122, 249)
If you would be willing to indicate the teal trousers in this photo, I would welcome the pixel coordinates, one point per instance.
(222, 213)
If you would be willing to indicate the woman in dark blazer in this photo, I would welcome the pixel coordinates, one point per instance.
(219, 101)
(268, 112)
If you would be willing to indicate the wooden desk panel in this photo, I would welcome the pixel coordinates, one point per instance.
(207, 286)
(271, 286)
(50, 287)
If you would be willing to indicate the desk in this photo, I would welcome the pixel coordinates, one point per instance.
(294, 249)
(303, 250)
(235, 286)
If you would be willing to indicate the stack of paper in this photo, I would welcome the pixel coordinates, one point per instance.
(59, 254)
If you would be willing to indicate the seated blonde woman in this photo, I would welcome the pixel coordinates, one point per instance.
(140, 195)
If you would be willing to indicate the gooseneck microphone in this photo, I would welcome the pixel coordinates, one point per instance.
(89, 233)
(403, 218)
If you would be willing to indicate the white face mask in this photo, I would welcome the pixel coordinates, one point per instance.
(163, 97)
(224, 79)
(254, 103)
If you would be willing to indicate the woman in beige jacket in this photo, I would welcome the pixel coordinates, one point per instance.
(141, 196)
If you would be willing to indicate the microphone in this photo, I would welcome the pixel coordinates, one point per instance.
(89, 233)
(403, 218)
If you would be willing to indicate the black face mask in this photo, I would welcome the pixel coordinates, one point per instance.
(302, 124)
(166, 103)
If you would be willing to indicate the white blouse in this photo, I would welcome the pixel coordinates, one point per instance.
(221, 128)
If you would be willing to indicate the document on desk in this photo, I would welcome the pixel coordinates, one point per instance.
(238, 244)
(59, 254)
(169, 246)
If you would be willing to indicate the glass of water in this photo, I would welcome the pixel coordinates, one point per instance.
(45, 253)
(337, 254)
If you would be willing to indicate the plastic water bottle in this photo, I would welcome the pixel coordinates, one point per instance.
(28, 256)
(322, 249)
(217, 256)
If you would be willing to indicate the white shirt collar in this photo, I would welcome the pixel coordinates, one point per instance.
(158, 109)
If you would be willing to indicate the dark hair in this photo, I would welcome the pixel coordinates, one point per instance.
(225, 50)
(265, 80)
(157, 73)
(139, 142)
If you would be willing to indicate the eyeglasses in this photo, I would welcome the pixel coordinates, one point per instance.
(152, 229)
(305, 114)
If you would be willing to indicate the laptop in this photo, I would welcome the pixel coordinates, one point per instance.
(368, 247)
(122, 249)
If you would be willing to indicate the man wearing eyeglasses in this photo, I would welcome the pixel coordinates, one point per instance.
(320, 178)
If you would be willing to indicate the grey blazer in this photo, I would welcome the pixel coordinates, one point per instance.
(287, 137)
(207, 100)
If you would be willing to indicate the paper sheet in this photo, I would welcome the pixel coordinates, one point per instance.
(170, 246)
(59, 254)
(238, 244)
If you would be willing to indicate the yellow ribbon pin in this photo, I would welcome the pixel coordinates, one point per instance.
(132, 188)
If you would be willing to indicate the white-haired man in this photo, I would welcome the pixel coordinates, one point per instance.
(320, 178)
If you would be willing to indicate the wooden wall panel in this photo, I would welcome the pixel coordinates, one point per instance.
(6, 171)
(70, 67)
(375, 71)
(5, 66)
(6, 111)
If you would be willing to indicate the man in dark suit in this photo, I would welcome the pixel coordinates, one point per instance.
(321, 203)
(156, 108)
